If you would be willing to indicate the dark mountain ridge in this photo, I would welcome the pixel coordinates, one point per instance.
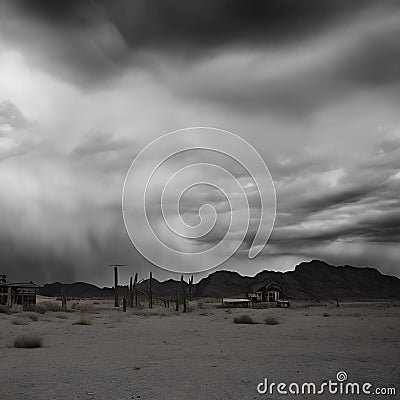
(314, 280)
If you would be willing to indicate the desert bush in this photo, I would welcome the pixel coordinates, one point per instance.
(49, 306)
(18, 321)
(32, 316)
(28, 342)
(36, 309)
(325, 314)
(3, 309)
(84, 319)
(149, 313)
(244, 319)
(271, 321)
(86, 308)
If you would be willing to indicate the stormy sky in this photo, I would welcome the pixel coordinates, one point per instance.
(314, 86)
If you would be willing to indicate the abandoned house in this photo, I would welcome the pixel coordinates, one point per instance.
(267, 292)
(17, 293)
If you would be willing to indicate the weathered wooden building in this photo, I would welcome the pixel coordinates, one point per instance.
(267, 292)
(17, 292)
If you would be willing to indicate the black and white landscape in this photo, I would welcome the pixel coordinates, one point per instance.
(85, 85)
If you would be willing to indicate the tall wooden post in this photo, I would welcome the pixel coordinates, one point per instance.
(135, 289)
(150, 291)
(191, 288)
(130, 298)
(116, 300)
(177, 301)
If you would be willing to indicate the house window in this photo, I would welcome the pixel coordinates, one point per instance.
(273, 296)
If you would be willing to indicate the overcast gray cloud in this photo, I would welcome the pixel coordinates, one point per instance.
(313, 86)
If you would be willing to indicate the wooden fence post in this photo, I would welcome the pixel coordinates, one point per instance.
(184, 300)
(177, 301)
(130, 296)
(116, 301)
(135, 289)
(191, 288)
(150, 292)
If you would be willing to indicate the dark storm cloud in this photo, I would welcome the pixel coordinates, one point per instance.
(199, 23)
(312, 84)
(87, 41)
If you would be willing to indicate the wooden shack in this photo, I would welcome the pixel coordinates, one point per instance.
(17, 292)
(267, 292)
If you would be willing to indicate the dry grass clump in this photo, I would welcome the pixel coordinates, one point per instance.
(37, 309)
(244, 319)
(325, 314)
(85, 308)
(28, 342)
(50, 306)
(4, 310)
(18, 321)
(149, 313)
(31, 316)
(271, 321)
(62, 316)
(45, 306)
(228, 311)
(84, 319)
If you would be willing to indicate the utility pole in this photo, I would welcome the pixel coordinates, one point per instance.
(116, 299)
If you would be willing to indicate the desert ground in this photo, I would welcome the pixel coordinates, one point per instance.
(160, 354)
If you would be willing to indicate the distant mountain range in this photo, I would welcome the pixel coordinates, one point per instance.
(314, 280)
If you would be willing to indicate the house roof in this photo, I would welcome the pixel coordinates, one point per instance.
(27, 285)
(266, 285)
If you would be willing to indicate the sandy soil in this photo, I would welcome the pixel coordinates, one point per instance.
(200, 355)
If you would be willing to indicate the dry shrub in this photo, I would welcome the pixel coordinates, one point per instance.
(85, 308)
(62, 316)
(84, 319)
(228, 311)
(244, 319)
(18, 321)
(4, 310)
(37, 309)
(149, 313)
(325, 314)
(28, 342)
(50, 306)
(271, 321)
(32, 316)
